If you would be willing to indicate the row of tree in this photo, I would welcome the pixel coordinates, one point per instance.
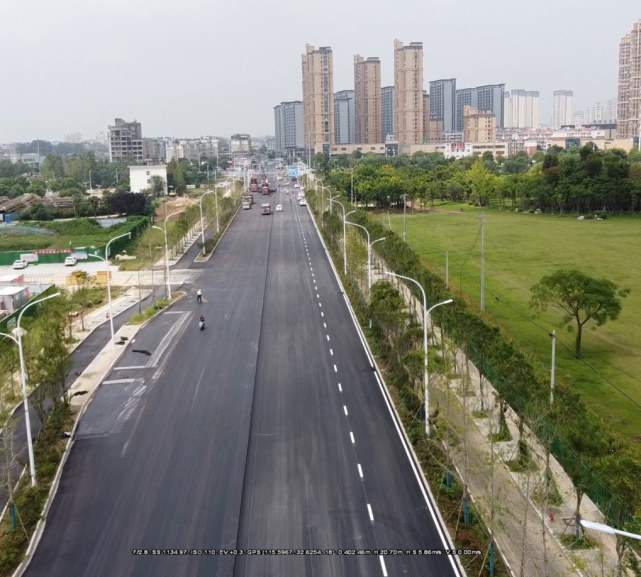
(575, 180)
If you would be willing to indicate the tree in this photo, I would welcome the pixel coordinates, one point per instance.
(580, 297)
(157, 186)
(53, 167)
(128, 203)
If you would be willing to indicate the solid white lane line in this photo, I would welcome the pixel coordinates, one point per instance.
(331, 352)
(352, 437)
(335, 369)
(360, 471)
(345, 409)
(383, 566)
(340, 388)
(371, 515)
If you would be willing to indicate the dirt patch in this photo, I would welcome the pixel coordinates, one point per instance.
(172, 206)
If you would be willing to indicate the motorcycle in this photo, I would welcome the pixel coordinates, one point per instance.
(201, 324)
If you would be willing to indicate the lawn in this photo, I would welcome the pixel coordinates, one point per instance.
(519, 250)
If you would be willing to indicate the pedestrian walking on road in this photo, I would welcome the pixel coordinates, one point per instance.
(199, 296)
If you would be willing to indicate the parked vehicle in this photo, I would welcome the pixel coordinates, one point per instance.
(266, 208)
(71, 261)
(20, 263)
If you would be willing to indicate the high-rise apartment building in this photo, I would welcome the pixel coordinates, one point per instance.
(610, 112)
(521, 109)
(125, 141)
(432, 129)
(387, 112)
(367, 86)
(443, 103)
(345, 117)
(288, 126)
(491, 98)
(464, 97)
(318, 96)
(629, 97)
(408, 92)
(562, 113)
(479, 125)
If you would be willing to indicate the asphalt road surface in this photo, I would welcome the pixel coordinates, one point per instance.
(267, 430)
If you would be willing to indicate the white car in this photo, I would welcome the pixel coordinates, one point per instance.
(303, 202)
(20, 263)
(71, 261)
(296, 185)
(279, 208)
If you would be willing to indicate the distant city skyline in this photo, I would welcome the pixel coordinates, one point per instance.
(92, 80)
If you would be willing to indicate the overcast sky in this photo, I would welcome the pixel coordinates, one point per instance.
(193, 68)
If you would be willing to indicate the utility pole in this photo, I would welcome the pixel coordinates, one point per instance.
(404, 217)
(483, 262)
(352, 186)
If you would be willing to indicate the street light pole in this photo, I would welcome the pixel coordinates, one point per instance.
(369, 258)
(164, 230)
(18, 330)
(404, 217)
(426, 313)
(111, 317)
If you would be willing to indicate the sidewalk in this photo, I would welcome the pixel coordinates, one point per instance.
(525, 533)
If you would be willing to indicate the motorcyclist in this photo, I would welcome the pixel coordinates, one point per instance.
(202, 322)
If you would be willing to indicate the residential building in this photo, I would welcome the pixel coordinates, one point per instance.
(154, 150)
(73, 138)
(318, 96)
(101, 138)
(288, 121)
(521, 109)
(610, 112)
(241, 145)
(367, 88)
(432, 129)
(387, 113)
(175, 150)
(562, 112)
(408, 92)
(464, 97)
(379, 148)
(125, 141)
(345, 117)
(478, 125)
(629, 96)
(491, 98)
(443, 103)
(140, 176)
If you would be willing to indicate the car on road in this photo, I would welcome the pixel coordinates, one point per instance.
(296, 185)
(71, 261)
(302, 202)
(247, 205)
(279, 208)
(20, 263)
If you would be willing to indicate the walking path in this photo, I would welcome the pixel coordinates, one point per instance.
(528, 536)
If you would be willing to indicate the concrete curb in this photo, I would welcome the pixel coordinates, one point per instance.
(390, 403)
(222, 234)
(40, 527)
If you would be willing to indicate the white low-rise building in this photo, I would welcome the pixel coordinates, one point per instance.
(140, 176)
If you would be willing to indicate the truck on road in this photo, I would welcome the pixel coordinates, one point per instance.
(266, 208)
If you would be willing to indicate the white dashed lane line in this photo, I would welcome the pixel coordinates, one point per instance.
(331, 352)
(352, 437)
(345, 409)
(327, 335)
(340, 388)
(360, 472)
(371, 515)
(383, 565)
(335, 369)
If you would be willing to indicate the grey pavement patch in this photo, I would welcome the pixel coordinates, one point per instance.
(110, 409)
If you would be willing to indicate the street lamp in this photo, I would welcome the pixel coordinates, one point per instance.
(330, 202)
(106, 261)
(369, 257)
(607, 529)
(200, 204)
(164, 230)
(426, 313)
(18, 331)
(344, 230)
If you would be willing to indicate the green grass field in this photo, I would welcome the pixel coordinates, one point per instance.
(519, 250)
